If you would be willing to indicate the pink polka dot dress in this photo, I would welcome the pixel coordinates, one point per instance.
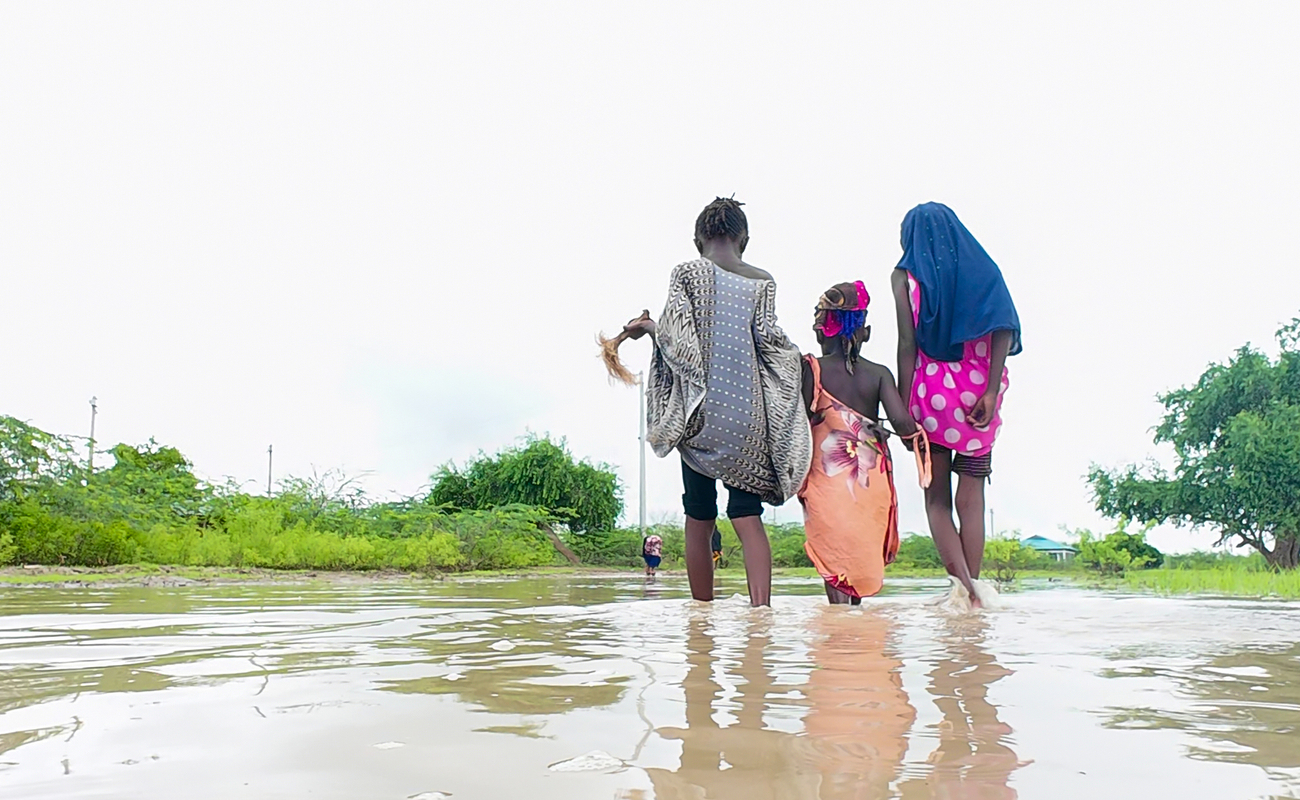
(943, 392)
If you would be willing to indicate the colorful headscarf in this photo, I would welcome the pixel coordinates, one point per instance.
(842, 309)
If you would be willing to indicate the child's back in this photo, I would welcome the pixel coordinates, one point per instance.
(850, 507)
(864, 389)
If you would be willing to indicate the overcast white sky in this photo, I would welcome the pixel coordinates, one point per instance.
(383, 235)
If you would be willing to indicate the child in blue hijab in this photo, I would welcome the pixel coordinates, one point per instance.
(956, 327)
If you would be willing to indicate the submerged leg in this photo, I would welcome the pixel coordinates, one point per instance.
(970, 515)
(836, 597)
(699, 558)
(938, 507)
(758, 558)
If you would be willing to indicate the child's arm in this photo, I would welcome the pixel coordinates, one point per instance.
(895, 408)
(808, 387)
(906, 335)
(982, 414)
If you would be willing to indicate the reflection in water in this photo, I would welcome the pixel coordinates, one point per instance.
(855, 728)
(497, 669)
(973, 758)
(859, 715)
(1245, 709)
(741, 760)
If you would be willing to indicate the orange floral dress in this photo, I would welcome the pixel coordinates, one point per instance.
(850, 507)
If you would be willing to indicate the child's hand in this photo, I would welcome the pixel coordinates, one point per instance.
(640, 326)
(981, 414)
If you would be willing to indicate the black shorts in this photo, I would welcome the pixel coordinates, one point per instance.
(700, 498)
(970, 466)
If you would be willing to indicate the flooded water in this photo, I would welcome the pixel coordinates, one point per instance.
(579, 687)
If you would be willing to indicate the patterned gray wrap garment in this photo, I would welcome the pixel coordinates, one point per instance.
(724, 384)
(733, 427)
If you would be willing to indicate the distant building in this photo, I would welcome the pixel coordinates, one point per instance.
(1053, 549)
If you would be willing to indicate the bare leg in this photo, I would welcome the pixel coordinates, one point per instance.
(699, 558)
(938, 507)
(970, 514)
(758, 558)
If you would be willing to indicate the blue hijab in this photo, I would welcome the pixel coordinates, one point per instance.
(963, 296)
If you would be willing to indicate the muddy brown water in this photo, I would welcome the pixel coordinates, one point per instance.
(584, 687)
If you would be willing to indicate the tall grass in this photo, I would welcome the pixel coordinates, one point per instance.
(1220, 581)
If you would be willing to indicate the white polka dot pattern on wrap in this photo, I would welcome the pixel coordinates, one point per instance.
(945, 392)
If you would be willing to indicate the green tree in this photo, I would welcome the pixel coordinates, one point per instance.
(30, 457)
(1236, 436)
(539, 473)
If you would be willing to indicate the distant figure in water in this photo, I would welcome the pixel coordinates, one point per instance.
(652, 550)
(956, 327)
(717, 547)
(724, 391)
(849, 502)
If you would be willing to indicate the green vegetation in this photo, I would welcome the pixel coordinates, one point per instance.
(1236, 434)
(1007, 558)
(1117, 552)
(1240, 583)
(150, 508)
(542, 474)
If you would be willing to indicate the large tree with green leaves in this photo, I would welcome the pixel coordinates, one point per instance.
(1236, 435)
(539, 473)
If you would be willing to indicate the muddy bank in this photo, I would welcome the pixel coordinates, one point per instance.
(130, 575)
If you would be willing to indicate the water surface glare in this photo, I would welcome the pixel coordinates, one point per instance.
(605, 687)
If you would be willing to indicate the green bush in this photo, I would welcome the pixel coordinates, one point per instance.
(1006, 558)
(788, 545)
(917, 551)
(1105, 556)
(1118, 552)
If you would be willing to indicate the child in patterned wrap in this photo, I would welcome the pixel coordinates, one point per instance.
(723, 391)
(956, 327)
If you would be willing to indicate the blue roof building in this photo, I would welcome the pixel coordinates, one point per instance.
(1053, 549)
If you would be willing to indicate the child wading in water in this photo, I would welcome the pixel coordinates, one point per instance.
(724, 391)
(956, 327)
(850, 506)
(652, 550)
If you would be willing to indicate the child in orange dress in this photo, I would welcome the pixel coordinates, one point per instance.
(850, 506)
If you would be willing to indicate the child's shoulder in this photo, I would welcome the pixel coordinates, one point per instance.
(870, 370)
(695, 265)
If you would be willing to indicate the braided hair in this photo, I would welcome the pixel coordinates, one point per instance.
(722, 219)
(842, 314)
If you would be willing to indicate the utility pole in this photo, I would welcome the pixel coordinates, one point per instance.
(640, 379)
(268, 470)
(993, 529)
(94, 409)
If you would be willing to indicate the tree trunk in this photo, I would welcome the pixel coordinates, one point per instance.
(1285, 553)
(559, 546)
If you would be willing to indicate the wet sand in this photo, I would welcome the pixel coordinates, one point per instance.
(583, 686)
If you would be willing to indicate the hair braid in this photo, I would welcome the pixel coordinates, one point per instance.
(722, 219)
